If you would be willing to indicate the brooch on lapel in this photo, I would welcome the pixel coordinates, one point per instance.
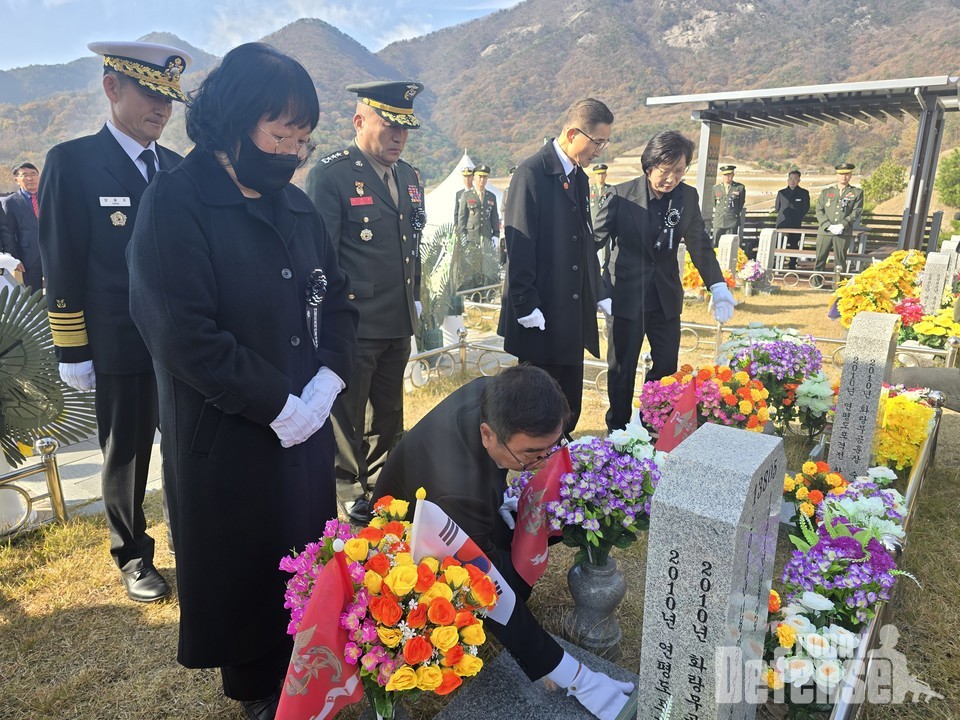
(118, 219)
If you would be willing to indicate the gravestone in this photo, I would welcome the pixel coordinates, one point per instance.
(935, 275)
(765, 249)
(711, 547)
(950, 248)
(867, 364)
(727, 253)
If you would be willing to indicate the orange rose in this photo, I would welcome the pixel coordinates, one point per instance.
(787, 401)
(822, 466)
(383, 503)
(442, 612)
(448, 561)
(485, 592)
(416, 650)
(395, 527)
(474, 572)
(464, 618)
(385, 610)
(452, 656)
(451, 681)
(704, 374)
(379, 563)
(417, 617)
(815, 496)
(773, 604)
(400, 547)
(724, 374)
(371, 535)
(752, 421)
(425, 578)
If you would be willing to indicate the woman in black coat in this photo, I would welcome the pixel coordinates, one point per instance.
(236, 289)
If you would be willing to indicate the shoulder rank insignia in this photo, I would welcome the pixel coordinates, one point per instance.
(118, 219)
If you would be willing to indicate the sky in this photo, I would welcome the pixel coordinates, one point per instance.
(42, 32)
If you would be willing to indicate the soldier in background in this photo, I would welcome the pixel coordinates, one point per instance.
(838, 210)
(793, 203)
(467, 173)
(480, 233)
(372, 204)
(728, 199)
(599, 190)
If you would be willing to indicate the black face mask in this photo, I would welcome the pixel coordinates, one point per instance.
(267, 173)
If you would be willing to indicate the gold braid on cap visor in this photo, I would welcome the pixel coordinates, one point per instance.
(166, 82)
(398, 116)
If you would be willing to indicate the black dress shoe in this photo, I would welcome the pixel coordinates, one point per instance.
(265, 709)
(145, 584)
(360, 511)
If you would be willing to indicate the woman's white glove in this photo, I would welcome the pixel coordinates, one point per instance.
(80, 376)
(600, 694)
(533, 320)
(295, 423)
(723, 302)
(321, 391)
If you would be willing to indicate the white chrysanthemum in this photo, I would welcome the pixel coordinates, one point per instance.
(816, 602)
(828, 674)
(842, 639)
(796, 670)
(817, 646)
(881, 475)
(800, 624)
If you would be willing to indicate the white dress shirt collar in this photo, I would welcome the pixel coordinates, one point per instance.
(132, 148)
(568, 164)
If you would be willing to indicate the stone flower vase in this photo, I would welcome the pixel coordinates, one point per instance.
(748, 289)
(596, 590)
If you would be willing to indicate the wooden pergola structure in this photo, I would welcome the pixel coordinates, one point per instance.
(924, 99)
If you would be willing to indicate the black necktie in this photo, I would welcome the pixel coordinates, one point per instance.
(147, 157)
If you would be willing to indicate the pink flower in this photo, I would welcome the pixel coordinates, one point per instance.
(352, 652)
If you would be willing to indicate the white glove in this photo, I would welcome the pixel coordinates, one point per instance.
(80, 376)
(606, 306)
(508, 509)
(600, 694)
(533, 320)
(295, 423)
(836, 229)
(419, 306)
(723, 302)
(321, 391)
(495, 242)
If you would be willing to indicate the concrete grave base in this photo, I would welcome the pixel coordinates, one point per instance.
(502, 691)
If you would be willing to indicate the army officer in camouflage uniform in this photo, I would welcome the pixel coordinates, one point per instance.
(838, 210)
(479, 225)
(728, 199)
(372, 204)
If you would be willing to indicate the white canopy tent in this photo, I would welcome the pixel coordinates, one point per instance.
(439, 201)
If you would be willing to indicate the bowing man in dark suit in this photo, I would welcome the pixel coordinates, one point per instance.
(548, 313)
(644, 220)
(21, 236)
(89, 195)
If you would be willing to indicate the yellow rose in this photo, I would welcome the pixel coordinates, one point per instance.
(802, 492)
(809, 468)
(432, 563)
(788, 484)
(833, 480)
(429, 677)
(468, 666)
(390, 637)
(372, 582)
(444, 638)
(398, 508)
(807, 509)
(377, 522)
(403, 558)
(403, 679)
(668, 380)
(473, 634)
(786, 635)
(774, 679)
(356, 549)
(436, 590)
(763, 414)
(741, 377)
(746, 407)
(401, 580)
(756, 395)
(456, 575)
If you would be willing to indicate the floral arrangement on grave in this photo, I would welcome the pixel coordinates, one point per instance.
(933, 330)
(810, 487)
(906, 421)
(816, 401)
(870, 503)
(723, 396)
(779, 359)
(911, 312)
(751, 272)
(880, 286)
(412, 627)
(605, 501)
(692, 281)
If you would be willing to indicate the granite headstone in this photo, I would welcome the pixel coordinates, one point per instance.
(711, 548)
(765, 249)
(867, 364)
(727, 253)
(950, 248)
(935, 274)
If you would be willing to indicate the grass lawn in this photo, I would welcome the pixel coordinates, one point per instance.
(72, 645)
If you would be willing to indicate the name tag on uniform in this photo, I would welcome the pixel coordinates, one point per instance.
(364, 200)
(114, 202)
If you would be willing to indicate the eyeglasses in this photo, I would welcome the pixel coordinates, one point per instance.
(561, 441)
(671, 172)
(601, 144)
(290, 146)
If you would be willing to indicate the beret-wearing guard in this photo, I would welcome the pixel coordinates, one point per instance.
(155, 67)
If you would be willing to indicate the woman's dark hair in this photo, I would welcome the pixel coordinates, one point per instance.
(253, 80)
(523, 399)
(666, 148)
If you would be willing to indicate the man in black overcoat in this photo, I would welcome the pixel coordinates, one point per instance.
(792, 205)
(21, 232)
(549, 306)
(644, 220)
(372, 205)
(89, 195)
